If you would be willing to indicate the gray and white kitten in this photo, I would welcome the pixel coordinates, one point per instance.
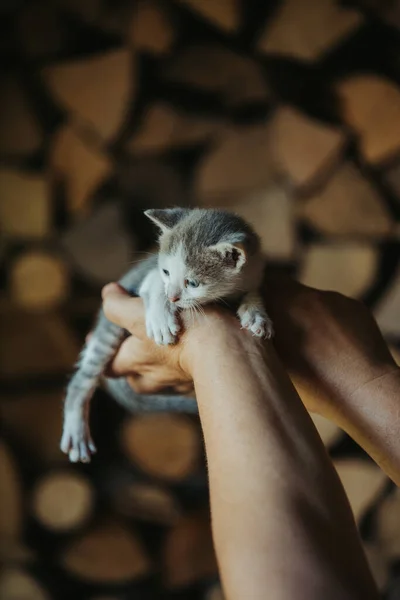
(204, 256)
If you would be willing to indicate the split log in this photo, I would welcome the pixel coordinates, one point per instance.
(147, 502)
(100, 247)
(164, 128)
(363, 483)
(25, 210)
(212, 68)
(348, 267)
(162, 445)
(305, 30)
(38, 280)
(388, 525)
(79, 167)
(36, 344)
(35, 421)
(348, 205)
(62, 501)
(271, 212)
(150, 28)
(240, 162)
(188, 554)
(10, 496)
(304, 149)
(108, 554)
(221, 13)
(20, 134)
(371, 106)
(15, 584)
(96, 90)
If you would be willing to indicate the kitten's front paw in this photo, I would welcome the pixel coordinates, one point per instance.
(76, 440)
(162, 326)
(258, 323)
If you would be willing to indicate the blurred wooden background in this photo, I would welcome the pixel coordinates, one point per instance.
(285, 111)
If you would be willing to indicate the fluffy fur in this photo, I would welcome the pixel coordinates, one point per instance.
(204, 256)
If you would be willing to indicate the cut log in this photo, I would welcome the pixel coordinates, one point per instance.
(371, 105)
(100, 247)
(348, 268)
(270, 211)
(147, 502)
(10, 496)
(79, 167)
(347, 206)
(363, 483)
(25, 210)
(305, 30)
(108, 554)
(62, 500)
(213, 68)
(329, 432)
(38, 281)
(388, 525)
(239, 162)
(387, 310)
(20, 133)
(305, 150)
(13, 551)
(151, 29)
(40, 30)
(222, 13)
(188, 554)
(17, 584)
(162, 445)
(45, 411)
(96, 90)
(36, 344)
(163, 128)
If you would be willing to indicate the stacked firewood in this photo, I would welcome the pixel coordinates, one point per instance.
(285, 112)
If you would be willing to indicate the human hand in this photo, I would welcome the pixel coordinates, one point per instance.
(330, 344)
(148, 367)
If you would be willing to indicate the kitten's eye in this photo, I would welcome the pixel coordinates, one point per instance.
(166, 272)
(191, 283)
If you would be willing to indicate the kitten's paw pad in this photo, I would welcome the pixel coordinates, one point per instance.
(260, 325)
(76, 440)
(163, 328)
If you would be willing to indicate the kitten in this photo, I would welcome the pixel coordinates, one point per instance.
(204, 256)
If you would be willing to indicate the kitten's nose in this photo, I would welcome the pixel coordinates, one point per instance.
(174, 298)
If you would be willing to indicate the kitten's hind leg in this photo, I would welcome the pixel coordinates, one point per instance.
(76, 440)
(254, 317)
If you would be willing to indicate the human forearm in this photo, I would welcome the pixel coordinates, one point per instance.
(261, 445)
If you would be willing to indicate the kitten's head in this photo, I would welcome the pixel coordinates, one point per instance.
(202, 253)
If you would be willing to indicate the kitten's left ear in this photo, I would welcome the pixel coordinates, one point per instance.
(234, 255)
(166, 218)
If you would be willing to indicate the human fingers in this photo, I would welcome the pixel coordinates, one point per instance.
(121, 309)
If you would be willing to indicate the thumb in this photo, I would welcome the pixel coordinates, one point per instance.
(121, 309)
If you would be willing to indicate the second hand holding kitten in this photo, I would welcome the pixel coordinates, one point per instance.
(204, 256)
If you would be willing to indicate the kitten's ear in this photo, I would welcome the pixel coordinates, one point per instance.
(234, 255)
(166, 218)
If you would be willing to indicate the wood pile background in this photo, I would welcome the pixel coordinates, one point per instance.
(287, 112)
